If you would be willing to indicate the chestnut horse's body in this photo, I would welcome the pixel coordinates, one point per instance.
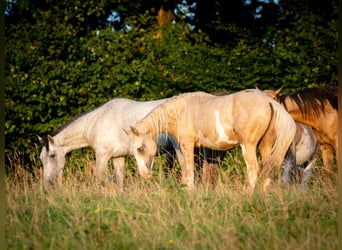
(247, 119)
(317, 108)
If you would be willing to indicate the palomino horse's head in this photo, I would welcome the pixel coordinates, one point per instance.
(53, 159)
(144, 149)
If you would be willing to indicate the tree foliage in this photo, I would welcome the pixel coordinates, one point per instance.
(64, 58)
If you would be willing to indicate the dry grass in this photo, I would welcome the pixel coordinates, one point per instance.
(160, 214)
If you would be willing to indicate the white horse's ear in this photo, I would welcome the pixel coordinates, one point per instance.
(39, 138)
(135, 131)
(51, 140)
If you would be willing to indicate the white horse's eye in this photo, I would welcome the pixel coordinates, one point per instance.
(52, 156)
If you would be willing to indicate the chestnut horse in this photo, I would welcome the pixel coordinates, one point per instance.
(317, 108)
(247, 119)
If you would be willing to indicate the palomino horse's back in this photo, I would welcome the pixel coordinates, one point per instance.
(199, 119)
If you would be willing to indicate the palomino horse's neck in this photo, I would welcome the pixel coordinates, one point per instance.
(72, 136)
(161, 119)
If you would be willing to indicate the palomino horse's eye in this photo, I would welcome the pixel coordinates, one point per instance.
(141, 149)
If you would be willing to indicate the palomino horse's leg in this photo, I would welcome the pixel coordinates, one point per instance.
(119, 165)
(265, 147)
(249, 155)
(189, 165)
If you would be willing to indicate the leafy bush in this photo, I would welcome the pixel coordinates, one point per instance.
(59, 65)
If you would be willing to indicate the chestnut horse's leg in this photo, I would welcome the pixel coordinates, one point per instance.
(328, 161)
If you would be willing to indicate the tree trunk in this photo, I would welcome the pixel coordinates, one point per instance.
(165, 15)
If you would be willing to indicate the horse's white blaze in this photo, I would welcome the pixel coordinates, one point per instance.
(222, 136)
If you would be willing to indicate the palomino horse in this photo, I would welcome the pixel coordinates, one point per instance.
(303, 152)
(102, 130)
(317, 108)
(198, 119)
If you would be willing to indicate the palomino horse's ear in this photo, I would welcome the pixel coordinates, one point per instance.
(134, 130)
(51, 140)
(277, 92)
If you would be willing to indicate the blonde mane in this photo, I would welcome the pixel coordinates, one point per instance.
(159, 119)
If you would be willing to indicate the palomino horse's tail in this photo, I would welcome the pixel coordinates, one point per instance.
(281, 133)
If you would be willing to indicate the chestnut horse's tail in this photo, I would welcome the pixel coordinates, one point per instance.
(281, 132)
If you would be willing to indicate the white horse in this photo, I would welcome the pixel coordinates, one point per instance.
(102, 130)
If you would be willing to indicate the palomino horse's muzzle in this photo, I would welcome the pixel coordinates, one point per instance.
(145, 169)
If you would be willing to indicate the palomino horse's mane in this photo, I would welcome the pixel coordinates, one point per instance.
(312, 99)
(156, 120)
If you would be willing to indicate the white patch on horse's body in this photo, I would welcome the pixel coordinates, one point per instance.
(219, 128)
(222, 136)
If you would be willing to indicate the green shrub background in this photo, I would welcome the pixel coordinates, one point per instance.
(64, 58)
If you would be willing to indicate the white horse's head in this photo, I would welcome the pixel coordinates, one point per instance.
(144, 149)
(53, 159)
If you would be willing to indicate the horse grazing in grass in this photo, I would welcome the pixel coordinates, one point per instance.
(302, 153)
(248, 118)
(317, 108)
(102, 130)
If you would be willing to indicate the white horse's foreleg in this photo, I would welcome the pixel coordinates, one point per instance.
(119, 165)
(249, 155)
(101, 167)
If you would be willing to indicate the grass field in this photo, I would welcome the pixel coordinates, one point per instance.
(160, 214)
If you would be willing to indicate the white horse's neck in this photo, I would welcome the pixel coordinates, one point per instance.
(72, 136)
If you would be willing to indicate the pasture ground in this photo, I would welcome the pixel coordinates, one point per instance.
(160, 214)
